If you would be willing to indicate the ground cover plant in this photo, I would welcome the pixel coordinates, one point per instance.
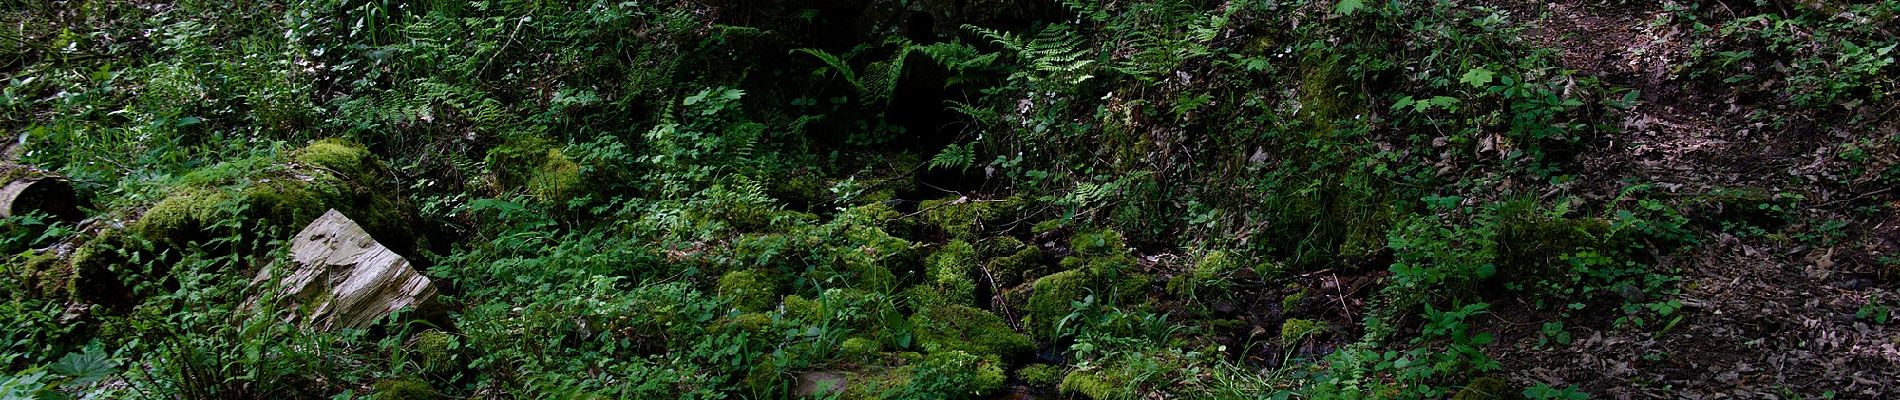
(970, 199)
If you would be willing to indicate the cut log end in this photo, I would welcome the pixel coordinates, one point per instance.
(39, 193)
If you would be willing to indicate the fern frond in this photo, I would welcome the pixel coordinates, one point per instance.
(833, 63)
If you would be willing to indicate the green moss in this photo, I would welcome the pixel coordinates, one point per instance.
(1100, 243)
(970, 330)
(858, 349)
(1051, 300)
(557, 179)
(1487, 388)
(259, 198)
(1295, 330)
(436, 351)
(962, 218)
(946, 375)
(750, 290)
(47, 276)
(1292, 300)
(803, 309)
(1093, 385)
(807, 188)
(1049, 226)
(1040, 376)
(339, 156)
(181, 217)
(998, 246)
(1210, 273)
(404, 389)
(741, 323)
(949, 271)
(1023, 266)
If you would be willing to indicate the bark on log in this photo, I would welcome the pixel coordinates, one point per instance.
(25, 190)
(343, 278)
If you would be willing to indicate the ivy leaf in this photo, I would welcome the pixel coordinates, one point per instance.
(1477, 77)
(1348, 7)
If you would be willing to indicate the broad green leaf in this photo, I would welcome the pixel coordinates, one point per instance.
(1477, 77)
(87, 367)
(1348, 7)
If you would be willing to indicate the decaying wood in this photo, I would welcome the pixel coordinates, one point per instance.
(343, 278)
(25, 190)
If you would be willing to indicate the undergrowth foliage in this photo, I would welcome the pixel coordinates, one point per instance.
(875, 199)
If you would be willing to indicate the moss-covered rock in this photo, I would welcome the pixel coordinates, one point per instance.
(858, 349)
(1095, 384)
(1040, 376)
(750, 290)
(262, 197)
(949, 270)
(96, 271)
(405, 389)
(754, 323)
(963, 218)
(1211, 272)
(962, 328)
(1050, 301)
(942, 375)
(1099, 243)
(1295, 330)
(437, 351)
(1025, 265)
(1128, 375)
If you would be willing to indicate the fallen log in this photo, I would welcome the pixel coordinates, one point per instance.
(342, 278)
(27, 190)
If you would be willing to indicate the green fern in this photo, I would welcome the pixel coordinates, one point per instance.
(877, 82)
(1056, 55)
(954, 156)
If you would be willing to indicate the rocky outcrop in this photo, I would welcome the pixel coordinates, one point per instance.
(342, 278)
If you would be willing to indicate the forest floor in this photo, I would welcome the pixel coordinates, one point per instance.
(1768, 317)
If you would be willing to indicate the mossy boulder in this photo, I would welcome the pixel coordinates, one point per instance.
(953, 327)
(1094, 384)
(858, 349)
(1040, 376)
(405, 389)
(942, 375)
(750, 289)
(1127, 376)
(1211, 272)
(755, 323)
(1025, 265)
(949, 271)
(1295, 330)
(533, 165)
(963, 218)
(1050, 301)
(437, 351)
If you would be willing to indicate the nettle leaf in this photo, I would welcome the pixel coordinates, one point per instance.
(1478, 77)
(1348, 7)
